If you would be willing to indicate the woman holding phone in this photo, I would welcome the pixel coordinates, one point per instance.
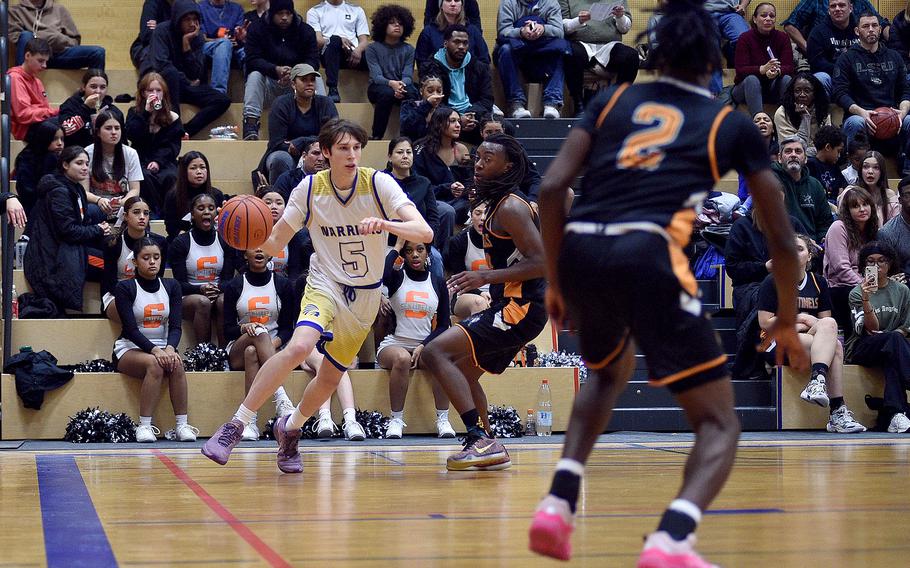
(764, 61)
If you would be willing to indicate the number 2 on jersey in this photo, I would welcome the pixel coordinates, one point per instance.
(643, 149)
(353, 261)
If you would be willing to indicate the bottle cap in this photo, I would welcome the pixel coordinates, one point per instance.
(25, 349)
(530, 411)
(545, 381)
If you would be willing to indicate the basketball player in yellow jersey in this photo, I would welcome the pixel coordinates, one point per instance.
(348, 211)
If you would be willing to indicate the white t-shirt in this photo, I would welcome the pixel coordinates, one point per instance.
(132, 168)
(344, 20)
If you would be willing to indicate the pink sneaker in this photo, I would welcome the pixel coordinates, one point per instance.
(662, 551)
(551, 530)
(218, 447)
(288, 457)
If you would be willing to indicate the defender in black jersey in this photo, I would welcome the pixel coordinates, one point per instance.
(617, 270)
(490, 339)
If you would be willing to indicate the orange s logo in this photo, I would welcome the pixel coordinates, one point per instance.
(643, 148)
(205, 268)
(479, 265)
(413, 299)
(151, 317)
(259, 303)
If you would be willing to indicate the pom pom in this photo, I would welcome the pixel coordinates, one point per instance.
(266, 433)
(563, 359)
(505, 422)
(205, 357)
(93, 366)
(374, 423)
(93, 425)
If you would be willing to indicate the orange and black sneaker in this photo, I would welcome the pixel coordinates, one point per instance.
(481, 453)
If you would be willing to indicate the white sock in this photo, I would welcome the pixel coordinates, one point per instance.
(571, 466)
(442, 414)
(181, 419)
(325, 413)
(399, 415)
(687, 508)
(295, 420)
(245, 415)
(145, 420)
(350, 415)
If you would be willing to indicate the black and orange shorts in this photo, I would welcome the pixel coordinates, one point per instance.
(623, 288)
(499, 332)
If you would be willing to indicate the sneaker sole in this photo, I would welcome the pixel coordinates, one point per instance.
(356, 438)
(392, 437)
(493, 463)
(212, 456)
(446, 435)
(810, 400)
(850, 431)
(549, 537)
(322, 434)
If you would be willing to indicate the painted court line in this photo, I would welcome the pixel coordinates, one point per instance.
(73, 535)
(244, 532)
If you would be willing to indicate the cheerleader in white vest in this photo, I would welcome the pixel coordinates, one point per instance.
(463, 253)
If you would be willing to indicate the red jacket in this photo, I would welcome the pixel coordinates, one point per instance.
(28, 102)
(752, 53)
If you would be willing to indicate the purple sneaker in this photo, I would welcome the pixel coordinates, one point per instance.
(288, 456)
(218, 447)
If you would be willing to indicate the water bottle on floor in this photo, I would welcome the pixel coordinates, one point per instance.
(544, 409)
(531, 424)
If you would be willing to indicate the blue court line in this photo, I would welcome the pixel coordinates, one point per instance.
(73, 535)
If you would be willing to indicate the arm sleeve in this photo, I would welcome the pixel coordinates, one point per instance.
(279, 121)
(392, 278)
(124, 296)
(432, 210)
(231, 295)
(67, 225)
(824, 296)
(20, 111)
(816, 53)
(424, 50)
(745, 65)
(161, 55)
(168, 144)
(407, 66)
(111, 256)
(841, 82)
(553, 27)
(256, 48)
(856, 310)
(179, 249)
(175, 318)
(837, 256)
(231, 261)
(453, 255)
(310, 46)
(361, 26)
(443, 318)
(902, 88)
(803, 14)
(287, 317)
(530, 185)
(372, 57)
(296, 253)
(505, 21)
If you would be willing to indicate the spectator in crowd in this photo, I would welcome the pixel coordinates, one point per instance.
(530, 184)
(416, 114)
(731, 23)
(150, 335)
(874, 179)
(810, 13)
(194, 177)
(596, 46)
(868, 76)
(818, 334)
(156, 133)
(221, 20)
(831, 37)
(342, 33)
(530, 38)
(803, 110)
(804, 195)
(273, 47)
(764, 61)
(899, 38)
(153, 13)
(324, 426)
(61, 236)
(896, 232)
(464, 253)
(465, 81)
(420, 191)
(856, 153)
(118, 251)
(177, 53)
(202, 263)
(43, 145)
(52, 22)
(77, 113)
(471, 10)
(294, 260)
(259, 318)
(311, 161)
(857, 225)
(391, 64)
(451, 12)
(416, 323)
(115, 169)
(881, 324)
(829, 144)
(28, 102)
(765, 125)
(260, 11)
(295, 116)
(446, 162)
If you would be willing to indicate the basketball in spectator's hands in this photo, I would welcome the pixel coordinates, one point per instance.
(887, 123)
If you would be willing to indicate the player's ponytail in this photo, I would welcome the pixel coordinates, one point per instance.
(688, 42)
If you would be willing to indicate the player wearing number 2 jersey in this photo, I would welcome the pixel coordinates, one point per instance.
(347, 210)
(618, 273)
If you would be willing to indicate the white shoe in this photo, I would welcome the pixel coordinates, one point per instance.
(519, 111)
(354, 432)
(324, 426)
(149, 433)
(816, 391)
(843, 422)
(444, 428)
(497, 113)
(394, 430)
(550, 111)
(188, 433)
(250, 432)
(284, 406)
(899, 423)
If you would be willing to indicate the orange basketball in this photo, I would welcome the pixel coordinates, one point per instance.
(887, 123)
(245, 222)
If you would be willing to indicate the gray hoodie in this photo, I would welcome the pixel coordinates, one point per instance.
(510, 11)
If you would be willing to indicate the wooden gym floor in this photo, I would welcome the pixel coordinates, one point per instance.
(795, 499)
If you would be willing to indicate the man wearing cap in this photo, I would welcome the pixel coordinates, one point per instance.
(274, 46)
(343, 34)
(294, 117)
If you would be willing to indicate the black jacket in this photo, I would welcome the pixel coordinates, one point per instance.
(870, 80)
(31, 166)
(268, 46)
(827, 42)
(282, 116)
(441, 176)
(899, 39)
(76, 119)
(477, 83)
(166, 53)
(162, 147)
(158, 10)
(55, 260)
(420, 191)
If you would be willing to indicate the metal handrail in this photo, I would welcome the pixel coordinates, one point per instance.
(7, 232)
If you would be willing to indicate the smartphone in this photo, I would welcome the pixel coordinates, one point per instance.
(770, 53)
(872, 275)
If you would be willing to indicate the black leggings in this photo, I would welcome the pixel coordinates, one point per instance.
(891, 351)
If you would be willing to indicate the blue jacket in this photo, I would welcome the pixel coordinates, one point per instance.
(228, 16)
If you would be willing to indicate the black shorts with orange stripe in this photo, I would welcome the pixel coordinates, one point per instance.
(499, 332)
(623, 288)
